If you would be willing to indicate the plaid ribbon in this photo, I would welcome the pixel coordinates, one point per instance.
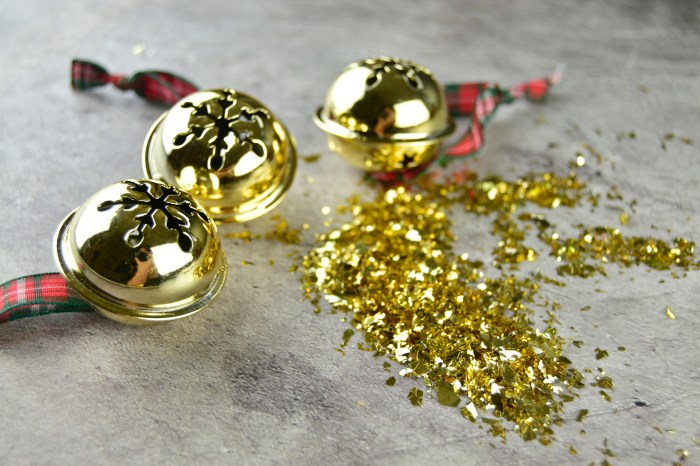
(155, 86)
(479, 102)
(37, 295)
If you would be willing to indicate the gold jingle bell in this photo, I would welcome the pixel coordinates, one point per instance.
(385, 114)
(226, 149)
(142, 252)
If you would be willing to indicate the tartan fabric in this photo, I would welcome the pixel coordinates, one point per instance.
(154, 86)
(37, 295)
(479, 102)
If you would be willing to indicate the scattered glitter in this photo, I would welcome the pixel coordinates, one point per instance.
(672, 136)
(581, 414)
(626, 135)
(572, 450)
(607, 453)
(311, 158)
(347, 335)
(391, 381)
(670, 313)
(682, 454)
(467, 336)
(138, 49)
(621, 348)
(415, 396)
(583, 256)
(244, 235)
(471, 337)
(282, 232)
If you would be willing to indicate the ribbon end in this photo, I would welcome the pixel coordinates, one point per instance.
(558, 72)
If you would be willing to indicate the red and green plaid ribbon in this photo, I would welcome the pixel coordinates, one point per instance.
(479, 102)
(37, 295)
(155, 86)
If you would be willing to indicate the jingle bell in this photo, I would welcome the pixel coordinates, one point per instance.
(385, 114)
(142, 252)
(226, 149)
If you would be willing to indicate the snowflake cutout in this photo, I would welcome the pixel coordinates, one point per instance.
(381, 66)
(178, 212)
(237, 129)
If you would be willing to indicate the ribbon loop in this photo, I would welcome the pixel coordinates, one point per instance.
(154, 86)
(477, 101)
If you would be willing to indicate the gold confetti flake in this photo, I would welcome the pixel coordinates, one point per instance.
(600, 353)
(244, 235)
(581, 414)
(670, 313)
(311, 158)
(415, 396)
(626, 135)
(391, 381)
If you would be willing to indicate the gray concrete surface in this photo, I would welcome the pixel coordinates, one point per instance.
(255, 379)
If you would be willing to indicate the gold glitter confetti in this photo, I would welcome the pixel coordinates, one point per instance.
(626, 135)
(244, 235)
(581, 414)
(347, 335)
(311, 158)
(670, 313)
(670, 136)
(282, 232)
(391, 381)
(415, 396)
(469, 336)
(607, 453)
(682, 454)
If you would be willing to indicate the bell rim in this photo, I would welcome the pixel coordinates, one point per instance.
(118, 309)
(336, 129)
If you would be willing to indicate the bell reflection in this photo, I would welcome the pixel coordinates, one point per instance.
(145, 268)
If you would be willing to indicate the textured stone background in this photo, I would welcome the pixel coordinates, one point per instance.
(255, 379)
